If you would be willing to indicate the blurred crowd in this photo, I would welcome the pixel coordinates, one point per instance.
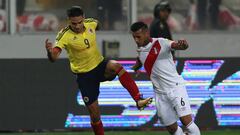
(199, 15)
(187, 15)
(28, 21)
(211, 14)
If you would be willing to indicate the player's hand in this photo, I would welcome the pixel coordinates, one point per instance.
(135, 71)
(183, 44)
(138, 72)
(48, 45)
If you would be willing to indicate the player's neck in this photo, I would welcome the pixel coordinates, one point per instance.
(82, 30)
(78, 32)
(147, 41)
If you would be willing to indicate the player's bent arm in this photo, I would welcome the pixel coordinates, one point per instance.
(179, 45)
(53, 53)
(137, 66)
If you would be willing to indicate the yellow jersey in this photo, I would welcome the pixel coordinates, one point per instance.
(81, 48)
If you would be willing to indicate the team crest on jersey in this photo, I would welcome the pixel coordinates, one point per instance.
(74, 38)
(90, 31)
(86, 99)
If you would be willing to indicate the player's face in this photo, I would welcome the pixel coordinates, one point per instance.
(76, 23)
(164, 14)
(141, 37)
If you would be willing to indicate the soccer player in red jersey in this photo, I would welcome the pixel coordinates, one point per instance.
(171, 97)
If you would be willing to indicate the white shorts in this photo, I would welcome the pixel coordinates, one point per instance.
(172, 105)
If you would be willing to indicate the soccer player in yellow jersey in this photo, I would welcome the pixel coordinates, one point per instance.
(90, 67)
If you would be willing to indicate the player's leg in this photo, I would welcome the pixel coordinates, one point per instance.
(114, 68)
(191, 127)
(89, 86)
(182, 106)
(167, 114)
(125, 79)
(174, 129)
(96, 122)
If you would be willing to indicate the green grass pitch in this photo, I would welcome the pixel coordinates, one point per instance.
(215, 132)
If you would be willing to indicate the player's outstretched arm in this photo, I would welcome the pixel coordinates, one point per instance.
(52, 52)
(180, 45)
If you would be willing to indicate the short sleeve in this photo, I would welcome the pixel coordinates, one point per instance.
(60, 40)
(60, 44)
(166, 43)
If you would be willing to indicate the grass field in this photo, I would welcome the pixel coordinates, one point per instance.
(218, 132)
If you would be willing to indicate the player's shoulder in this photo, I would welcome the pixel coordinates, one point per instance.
(161, 39)
(90, 20)
(164, 42)
(62, 32)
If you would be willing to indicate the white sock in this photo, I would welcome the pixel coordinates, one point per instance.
(192, 129)
(179, 131)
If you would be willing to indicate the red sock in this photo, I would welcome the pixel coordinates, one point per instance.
(98, 128)
(129, 84)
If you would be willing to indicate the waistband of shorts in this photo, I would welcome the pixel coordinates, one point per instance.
(166, 90)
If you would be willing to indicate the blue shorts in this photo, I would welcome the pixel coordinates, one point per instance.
(89, 82)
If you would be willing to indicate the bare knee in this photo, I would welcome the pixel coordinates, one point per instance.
(186, 120)
(113, 67)
(172, 128)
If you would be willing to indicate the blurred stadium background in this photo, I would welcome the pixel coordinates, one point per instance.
(33, 100)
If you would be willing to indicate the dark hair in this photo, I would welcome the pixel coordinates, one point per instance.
(75, 11)
(138, 25)
(163, 5)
